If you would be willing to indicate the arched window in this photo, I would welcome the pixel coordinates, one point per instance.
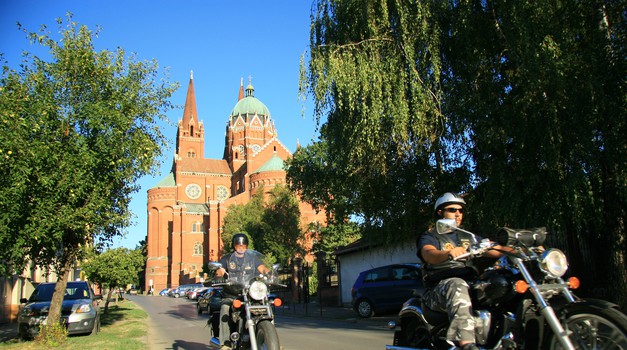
(197, 248)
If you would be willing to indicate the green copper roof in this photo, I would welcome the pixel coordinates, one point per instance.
(273, 164)
(197, 208)
(250, 105)
(167, 181)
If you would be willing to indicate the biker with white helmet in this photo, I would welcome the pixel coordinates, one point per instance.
(445, 277)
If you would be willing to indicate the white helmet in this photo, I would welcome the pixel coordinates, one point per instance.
(448, 198)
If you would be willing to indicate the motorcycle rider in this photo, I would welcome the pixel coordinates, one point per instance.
(447, 290)
(237, 263)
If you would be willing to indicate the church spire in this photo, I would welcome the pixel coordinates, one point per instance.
(190, 114)
(241, 89)
(191, 134)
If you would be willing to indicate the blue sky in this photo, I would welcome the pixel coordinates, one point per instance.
(221, 41)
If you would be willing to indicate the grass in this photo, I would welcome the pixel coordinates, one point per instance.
(124, 327)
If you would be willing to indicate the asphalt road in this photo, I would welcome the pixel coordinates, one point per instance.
(175, 324)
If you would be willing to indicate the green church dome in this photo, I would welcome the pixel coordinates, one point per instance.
(273, 164)
(250, 105)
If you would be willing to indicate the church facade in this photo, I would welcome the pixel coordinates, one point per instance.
(186, 209)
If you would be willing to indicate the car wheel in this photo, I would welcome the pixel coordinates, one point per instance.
(176, 295)
(364, 308)
(199, 309)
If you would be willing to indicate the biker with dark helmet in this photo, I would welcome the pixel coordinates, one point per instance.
(241, 263)
(445, 278)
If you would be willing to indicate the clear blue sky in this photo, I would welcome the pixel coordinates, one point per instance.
(221, 41)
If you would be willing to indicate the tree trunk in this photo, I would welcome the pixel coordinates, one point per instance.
(54, 314)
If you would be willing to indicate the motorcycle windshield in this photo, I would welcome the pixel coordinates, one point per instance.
(242, 270)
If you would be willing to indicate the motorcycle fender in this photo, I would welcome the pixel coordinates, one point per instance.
(412, 309)
(561, 309)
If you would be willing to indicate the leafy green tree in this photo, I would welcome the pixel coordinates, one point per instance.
(520, 104)
(244, 218)
(282, 234)
(539, 91)
(375, 75)
(76, 132)
(272, 224)
(113, 269)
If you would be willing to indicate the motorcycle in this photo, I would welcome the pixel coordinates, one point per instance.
(520, 302)
(251, 316)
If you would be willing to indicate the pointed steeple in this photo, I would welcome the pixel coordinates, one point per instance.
(190, 114)
(241, 89)
(191, 134)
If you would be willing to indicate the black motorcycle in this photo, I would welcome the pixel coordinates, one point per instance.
(251, 317)
(520, 302)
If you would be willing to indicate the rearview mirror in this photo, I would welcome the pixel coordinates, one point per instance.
(214, 265)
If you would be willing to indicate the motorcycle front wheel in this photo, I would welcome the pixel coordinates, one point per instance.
(267, 337)
(594, 328)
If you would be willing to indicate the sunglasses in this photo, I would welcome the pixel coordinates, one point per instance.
(454, 210)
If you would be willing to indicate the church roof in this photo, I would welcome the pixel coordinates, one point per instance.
(273, 164)
(250, 105)
(167, 181)
(197, 208)
(209, 166)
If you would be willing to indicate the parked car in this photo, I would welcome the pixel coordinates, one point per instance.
(180, 290)
(79, 311)
(210, 301)
(164, 292)
(385, 289)
(193, 294)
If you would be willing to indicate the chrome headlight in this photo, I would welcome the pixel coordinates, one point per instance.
(258, 290)
(554, 263)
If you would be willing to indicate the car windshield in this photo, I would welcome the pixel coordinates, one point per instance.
(44, 292)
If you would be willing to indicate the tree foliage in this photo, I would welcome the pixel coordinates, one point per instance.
(76, 132)
(520, 104)
(114, 268)
(272, 222)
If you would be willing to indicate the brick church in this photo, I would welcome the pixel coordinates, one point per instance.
(186, 209)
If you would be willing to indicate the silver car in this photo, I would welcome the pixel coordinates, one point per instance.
(80, 311)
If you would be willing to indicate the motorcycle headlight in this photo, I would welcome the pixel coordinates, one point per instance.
(554, 262)
(258, 290)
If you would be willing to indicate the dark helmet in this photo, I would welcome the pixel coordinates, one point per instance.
(239, 238)
(448, 198)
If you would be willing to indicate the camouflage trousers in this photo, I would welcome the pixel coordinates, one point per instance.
(451, 296)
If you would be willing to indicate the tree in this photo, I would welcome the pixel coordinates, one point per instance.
(519, 104)
(113, 269)
(243, 218)
(272, 224)
(282, 234)
(541, 97)
(77, 131)
(375, 76)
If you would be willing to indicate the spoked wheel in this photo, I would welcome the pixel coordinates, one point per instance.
(594, 329)
(267, 337)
